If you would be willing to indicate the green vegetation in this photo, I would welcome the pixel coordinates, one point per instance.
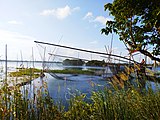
(122, 101)
(73, 71)
(78, 62)
(34, 73)
(104, 105)
(137, 22)
(121, 104)
(25, 72)
(13, 105)
(134, 21)
(96, 63)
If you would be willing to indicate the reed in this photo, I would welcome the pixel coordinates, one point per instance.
(117, 103)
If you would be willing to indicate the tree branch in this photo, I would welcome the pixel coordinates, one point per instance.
(149, 55)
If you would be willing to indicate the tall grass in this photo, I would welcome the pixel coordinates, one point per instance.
(17, 104)
(117, 104)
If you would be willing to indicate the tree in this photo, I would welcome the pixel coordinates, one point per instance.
(137, 22)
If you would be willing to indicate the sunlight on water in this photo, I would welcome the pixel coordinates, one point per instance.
(62, 90)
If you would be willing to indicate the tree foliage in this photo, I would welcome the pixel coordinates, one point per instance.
(77, 62)
(96, 63)
(137, 22)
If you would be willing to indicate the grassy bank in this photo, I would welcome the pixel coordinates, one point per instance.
(36, 72)
(119, 104)
(25, 72)
(72, 71)
(23, 76)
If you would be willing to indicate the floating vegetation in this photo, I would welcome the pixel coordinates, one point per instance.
(23, 76)
(73, 71)
(25, 72)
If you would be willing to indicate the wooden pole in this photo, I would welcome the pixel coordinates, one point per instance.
(95, 52)
(6, 65)
(6, 75)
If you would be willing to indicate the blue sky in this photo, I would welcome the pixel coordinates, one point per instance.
(75, 23)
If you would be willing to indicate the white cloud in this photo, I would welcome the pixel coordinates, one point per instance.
(98, 19)
(59, 13)
(89, 15)
(47, 12)
(102, 19)
(17, 43)
(94, 42)
(15, 22)
(75, 9)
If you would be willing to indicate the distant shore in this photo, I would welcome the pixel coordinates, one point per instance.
(38, 61)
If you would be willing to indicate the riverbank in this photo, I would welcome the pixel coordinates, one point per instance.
(87, 97)
(32, 73)
(103, 105)
(21, 76)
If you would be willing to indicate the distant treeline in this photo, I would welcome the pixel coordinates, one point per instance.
(72, 62)
(79, 62)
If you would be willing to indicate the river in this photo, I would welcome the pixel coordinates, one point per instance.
(62, 90)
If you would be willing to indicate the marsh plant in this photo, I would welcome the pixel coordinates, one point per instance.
(118, 103)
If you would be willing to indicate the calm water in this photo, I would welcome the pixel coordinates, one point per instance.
(62, 90)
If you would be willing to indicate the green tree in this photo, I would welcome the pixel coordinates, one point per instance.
(137, 22)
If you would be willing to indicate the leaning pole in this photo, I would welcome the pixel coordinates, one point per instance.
(89, 51)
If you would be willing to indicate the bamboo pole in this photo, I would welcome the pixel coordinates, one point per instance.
(89, 51)
(6, 65)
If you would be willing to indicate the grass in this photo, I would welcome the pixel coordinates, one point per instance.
(35, 72)
(25, 72)
(118, 104)
(104, 105)
(73, 71)
(23, 76)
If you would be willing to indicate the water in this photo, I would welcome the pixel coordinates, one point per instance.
(38, 65)
(62, 90)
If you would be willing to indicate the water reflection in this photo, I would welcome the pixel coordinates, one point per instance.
(62, 90)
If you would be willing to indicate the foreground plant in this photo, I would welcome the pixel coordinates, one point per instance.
(122, 101)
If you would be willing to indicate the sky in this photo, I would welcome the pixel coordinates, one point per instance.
(75, 23)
